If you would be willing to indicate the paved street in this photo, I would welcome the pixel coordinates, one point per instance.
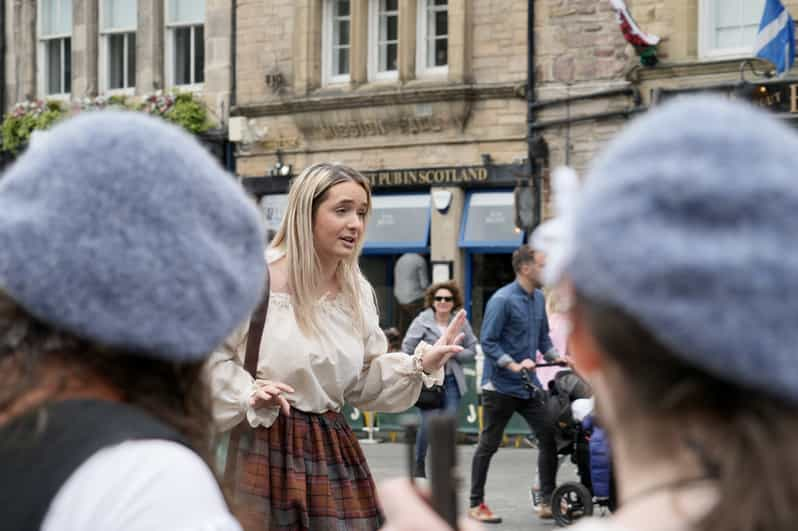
(507, 490)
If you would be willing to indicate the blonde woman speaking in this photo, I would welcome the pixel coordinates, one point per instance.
(300, 465)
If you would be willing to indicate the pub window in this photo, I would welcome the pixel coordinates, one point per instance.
(118, 21)
(336, 39)
(383, 39)
(728, 28)
(433, 37)
(55, 47)
(185, 42)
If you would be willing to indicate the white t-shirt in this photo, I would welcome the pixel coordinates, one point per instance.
(146, 485)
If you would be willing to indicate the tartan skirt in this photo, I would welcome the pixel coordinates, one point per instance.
(305, 471)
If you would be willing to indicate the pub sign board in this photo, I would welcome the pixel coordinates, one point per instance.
(779, 97)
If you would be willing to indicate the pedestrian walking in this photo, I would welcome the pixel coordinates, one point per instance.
(442, 301)
(128, 256)
(322, 347)
(557, 314)
(514, 329)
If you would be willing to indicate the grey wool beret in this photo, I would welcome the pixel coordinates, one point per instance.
(121, 229)
(688, 223)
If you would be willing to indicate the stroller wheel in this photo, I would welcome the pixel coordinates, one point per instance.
(570, 502)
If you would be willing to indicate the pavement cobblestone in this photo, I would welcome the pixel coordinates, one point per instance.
(507, 491)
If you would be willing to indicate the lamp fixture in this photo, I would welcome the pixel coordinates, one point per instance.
(280, 169)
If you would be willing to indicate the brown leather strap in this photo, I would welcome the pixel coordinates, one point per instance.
(256, 332)
(254, 335)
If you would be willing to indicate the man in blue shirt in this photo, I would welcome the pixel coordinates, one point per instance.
(515, 327)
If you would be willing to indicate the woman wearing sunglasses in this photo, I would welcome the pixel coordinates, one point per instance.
(442, 301)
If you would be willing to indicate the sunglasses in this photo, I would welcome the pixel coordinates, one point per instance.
(444, 299)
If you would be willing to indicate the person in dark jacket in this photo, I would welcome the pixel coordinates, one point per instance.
(442, 301)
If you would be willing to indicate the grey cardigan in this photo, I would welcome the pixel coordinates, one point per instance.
(424, 328)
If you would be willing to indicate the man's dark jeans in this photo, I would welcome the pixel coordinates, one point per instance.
(497, 408)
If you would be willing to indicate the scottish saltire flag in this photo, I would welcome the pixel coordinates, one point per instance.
(775, 41)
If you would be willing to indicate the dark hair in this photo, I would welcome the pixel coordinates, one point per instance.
(175, 393)
(523, 255)
(394, 339)
(745, 438)
(457, 298)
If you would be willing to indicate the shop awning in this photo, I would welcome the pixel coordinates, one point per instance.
(489, 222)
(398, 224)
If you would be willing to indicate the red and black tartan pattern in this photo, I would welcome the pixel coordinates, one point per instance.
(306, 471)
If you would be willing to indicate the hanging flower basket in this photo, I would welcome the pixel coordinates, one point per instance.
(180, 108)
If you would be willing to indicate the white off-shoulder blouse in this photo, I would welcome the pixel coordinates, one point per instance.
(326, 372)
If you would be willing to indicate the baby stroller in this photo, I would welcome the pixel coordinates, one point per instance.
(570, 408)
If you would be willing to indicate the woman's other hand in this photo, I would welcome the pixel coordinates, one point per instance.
(268, 394)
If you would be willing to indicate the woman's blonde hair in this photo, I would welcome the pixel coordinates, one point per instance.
(295, 237)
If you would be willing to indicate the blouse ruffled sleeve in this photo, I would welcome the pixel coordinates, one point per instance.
(389, 381)
(232, 386)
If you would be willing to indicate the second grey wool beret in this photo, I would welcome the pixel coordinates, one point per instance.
(688, 223)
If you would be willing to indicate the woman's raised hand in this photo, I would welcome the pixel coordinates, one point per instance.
(453, 334)
(447, 346)
(268, 393)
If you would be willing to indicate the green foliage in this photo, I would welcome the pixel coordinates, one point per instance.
(27, 117)
(189, 114)
(180, 108)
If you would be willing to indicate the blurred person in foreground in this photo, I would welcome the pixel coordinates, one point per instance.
(442, 300)
(682, 266)
(301, 466)
(128, 256)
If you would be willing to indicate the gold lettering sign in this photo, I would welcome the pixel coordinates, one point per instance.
(427, 177)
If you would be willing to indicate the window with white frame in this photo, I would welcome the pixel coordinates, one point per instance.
(384, 39)
(185, 42)
(337, 41)
(728, 28)
(118, 22)
(433, 37)
(55, 47)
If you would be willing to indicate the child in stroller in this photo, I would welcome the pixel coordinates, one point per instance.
(570, 409)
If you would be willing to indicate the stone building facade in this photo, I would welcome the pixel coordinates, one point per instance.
(438, 110)
(427, 97)
(587, 83)
(36, 32)
(704, 45)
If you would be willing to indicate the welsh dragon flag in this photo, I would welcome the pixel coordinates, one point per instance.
(631, 31)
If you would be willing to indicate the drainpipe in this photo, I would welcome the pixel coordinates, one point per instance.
(533, 139)
(2, 57)
(229, 151)
(233, 52)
